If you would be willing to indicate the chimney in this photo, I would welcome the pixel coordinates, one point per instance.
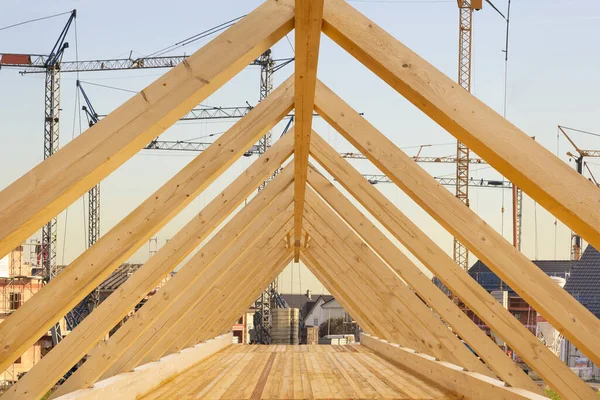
(309, 294)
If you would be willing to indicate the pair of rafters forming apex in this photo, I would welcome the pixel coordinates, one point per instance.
(351, 257)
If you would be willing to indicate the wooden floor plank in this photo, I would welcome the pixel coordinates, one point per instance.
(297, 372)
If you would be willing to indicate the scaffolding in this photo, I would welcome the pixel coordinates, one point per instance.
(18, 284)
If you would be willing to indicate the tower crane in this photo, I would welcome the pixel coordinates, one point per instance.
(578, 156)
(53, 65)
(50, 66)
(465, 40)
(450, 182)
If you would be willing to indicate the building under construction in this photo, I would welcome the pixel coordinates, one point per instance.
(175, 325)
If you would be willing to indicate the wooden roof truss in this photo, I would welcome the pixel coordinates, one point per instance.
(381, 287)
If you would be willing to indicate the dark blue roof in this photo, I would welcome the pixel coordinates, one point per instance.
(490, 281)
(583, 277)
(584, 282)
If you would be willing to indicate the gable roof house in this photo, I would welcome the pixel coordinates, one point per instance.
(324, 308)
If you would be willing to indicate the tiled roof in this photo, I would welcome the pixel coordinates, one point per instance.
(584, 282)
(295, 300)
(490, 281)
(118, 277)
(302, 302)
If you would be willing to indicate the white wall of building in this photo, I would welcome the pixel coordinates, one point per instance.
(322, 311)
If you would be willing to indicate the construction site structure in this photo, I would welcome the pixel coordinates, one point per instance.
(423, 333)
(18, 283)
(268, 299)
(52, 65)
(465, 41)
(578, 157)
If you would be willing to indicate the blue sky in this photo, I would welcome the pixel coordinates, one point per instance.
(552, 79)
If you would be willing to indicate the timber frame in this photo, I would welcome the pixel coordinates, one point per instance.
(300, 215)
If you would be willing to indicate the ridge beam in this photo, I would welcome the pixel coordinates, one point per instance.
(308, 20)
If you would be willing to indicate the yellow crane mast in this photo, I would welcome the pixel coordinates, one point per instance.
(465, 37)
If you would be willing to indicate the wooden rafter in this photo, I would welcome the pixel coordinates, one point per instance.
(543, 176)
(92, 329)
(273, 264)
(128, 346)
(498, 254)
(363, 300)
(336, 288)
(84, 274)
(240, 278)
(530, 166)
(308, 21)
(438, 301)
(430, 330)
(424, 249)
(50, 187)
(451, 377)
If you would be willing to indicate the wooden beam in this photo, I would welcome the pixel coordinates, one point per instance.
(58, 297)
(74, 346)
(308, 19)
(233, 299)
(420, 185)
(396, 315)
(338, 291)
(539, 173)
(50, 187)
(466, 385)
(487, 349)
(202, 269)
(142, 380)
(363, 301)
(442, 342)
(240, 278)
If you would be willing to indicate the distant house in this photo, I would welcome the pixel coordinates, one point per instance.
(579, 278)
(314, 311)
(324, 308)
(584, 285)
(584, 282)
(559, 270)
(304, 302)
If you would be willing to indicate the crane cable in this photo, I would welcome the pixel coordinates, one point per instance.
(556, 219)
(76, 115)
(196, 37)
(34, 20)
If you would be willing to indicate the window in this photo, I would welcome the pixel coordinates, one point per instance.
(316, 322)
(15, 300)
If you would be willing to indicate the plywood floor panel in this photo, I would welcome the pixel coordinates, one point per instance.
(296, 372)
